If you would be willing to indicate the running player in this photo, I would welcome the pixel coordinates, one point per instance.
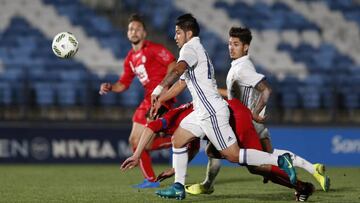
(241, 121)
(244, 83)
(149, 62)
(210, 116)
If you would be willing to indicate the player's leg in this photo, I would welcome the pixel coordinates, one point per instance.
(213, 168)
(193, 148)
(145, 159)
(256, 158)
(182, 136)
(317, 170)
(139, 121)
(180, 160)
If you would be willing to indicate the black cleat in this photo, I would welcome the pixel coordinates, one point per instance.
(305, 192)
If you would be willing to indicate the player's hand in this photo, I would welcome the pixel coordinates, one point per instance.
(155, 108)
(130, 163)
(105, 88)
(165, 175)
(258, 118)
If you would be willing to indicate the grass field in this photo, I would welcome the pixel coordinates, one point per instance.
(105, 183)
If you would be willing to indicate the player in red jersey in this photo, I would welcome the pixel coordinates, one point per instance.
(240, 120)
(167, 124)
(149, 62)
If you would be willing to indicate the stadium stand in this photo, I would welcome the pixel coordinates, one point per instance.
(310, 58)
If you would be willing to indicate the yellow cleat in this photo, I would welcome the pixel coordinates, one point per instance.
(197, 189)
(320, 177)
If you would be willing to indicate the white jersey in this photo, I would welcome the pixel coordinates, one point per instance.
(200, 79)
(241, 81)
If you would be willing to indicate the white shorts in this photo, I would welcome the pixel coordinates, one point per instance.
(216, 128)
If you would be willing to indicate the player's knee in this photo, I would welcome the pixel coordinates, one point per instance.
(232, 158)
(212, 152)
(175, 143)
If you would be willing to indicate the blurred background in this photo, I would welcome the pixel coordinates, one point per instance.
(50, 107)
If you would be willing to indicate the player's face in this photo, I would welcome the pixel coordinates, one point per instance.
(180, 37)
(136, 32)
(236, 48)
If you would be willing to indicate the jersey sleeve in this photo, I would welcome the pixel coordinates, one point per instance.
(162, 55)
(188, 55)
(249, 76)
(128, 75)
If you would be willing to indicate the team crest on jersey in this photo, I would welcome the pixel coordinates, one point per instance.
(164, 55)
(143, 59)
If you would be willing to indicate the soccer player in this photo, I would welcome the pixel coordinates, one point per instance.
(241, 121)
(149, 62)
(166, 124)
(210, 116)
(244, 83)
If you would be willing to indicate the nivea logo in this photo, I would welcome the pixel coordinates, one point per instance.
(346, 146)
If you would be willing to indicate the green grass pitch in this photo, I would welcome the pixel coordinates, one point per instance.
(106, 183)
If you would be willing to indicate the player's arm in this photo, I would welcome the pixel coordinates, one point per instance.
(122, 84)
(131, 162)
(174, 91)
(171, 66)
(265, 91)
(170, 78)
(222, 92)
(108, 87)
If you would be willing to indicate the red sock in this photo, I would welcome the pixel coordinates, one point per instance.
(161, 143)
(146, 166)
(280, 177)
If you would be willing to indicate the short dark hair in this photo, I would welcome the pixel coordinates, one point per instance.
(187, 22)
(244, 34)
(138, 18)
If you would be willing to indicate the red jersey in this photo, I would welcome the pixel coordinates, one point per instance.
(240, 121)
(149, 64)
(170, 121)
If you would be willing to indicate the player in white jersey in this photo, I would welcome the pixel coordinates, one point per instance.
(250, 87)
(210, 116)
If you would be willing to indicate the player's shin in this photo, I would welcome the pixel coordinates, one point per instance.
(298, 161)
(146, 166)
(213, 168)
(180, 161)
(255, 157)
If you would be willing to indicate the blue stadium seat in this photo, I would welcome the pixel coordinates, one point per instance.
(5, 94)
(44, 94)
(289, 93)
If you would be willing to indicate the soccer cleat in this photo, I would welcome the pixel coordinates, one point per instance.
(197, 189)
(175, 191)
(321, 178)
(147, 184)
(285, 163)
(305, 192)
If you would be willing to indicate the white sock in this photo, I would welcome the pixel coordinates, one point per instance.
(255, 157)
(180, 161)
(213, 168)
(298, 161)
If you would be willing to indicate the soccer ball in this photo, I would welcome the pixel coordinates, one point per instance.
(65, 45)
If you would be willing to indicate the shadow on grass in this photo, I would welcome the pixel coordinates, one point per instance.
(276, 197)
(235, 180)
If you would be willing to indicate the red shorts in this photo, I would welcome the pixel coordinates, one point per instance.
(139, 115)
(241, 122)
